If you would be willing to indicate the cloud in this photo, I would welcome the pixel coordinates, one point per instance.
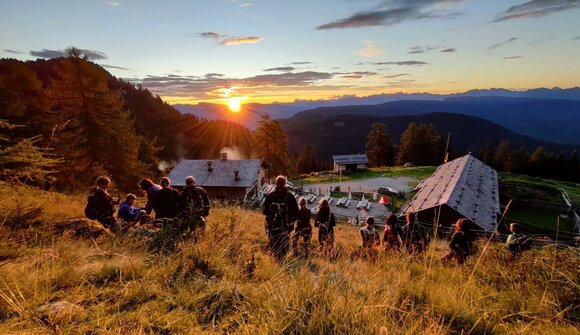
(214, 86)
(536, 8)
(402, 63)
(391, 76)
(281, 68)
(107, 66)
(389, 13)
(241, 40)
(513, 57)
(575, 38)
(369, 50)
(301, 63)
(46, 53)
(114, 3)
(247, 4)
(357, 74)
(213, 75)
(501, 44)
(424, 49)
(16, 52)
(224, 39)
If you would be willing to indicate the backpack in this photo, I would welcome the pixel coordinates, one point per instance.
(90, 207)
(278, 218)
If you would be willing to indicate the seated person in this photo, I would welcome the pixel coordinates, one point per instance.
(100, 205)
(392, 233)
(516, 241)
(369, 235)
(461, 243)
(129, 213)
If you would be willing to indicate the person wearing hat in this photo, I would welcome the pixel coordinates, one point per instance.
(369, 234)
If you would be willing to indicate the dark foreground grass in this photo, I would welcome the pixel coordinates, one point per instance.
(117, 286)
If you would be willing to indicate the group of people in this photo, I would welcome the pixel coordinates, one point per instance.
(287, 222)
(191, 205)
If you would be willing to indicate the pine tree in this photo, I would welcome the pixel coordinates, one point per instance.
(421, 145)
(538, 161)
(271, 144)
(379, 146)
(307, 161)
(520, 161)
(486, 154)
(502, 159)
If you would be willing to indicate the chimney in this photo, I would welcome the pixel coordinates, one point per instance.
(224, 156)
(236, 175)
(209, 167)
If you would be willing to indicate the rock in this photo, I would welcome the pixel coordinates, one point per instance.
(59, 310)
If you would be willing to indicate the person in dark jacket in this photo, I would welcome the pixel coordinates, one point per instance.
(392, 233)
(194, 204)
(516, 241)
(325, 222)
(281, 210)
(415, 238)
(369, 234)
(303, 228)
(129, 213)
(150, 190)
(461, 243)
(166, 201)
(100, 205)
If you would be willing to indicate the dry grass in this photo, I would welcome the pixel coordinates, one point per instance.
(201, 288)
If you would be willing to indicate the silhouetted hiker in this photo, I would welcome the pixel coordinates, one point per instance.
(166, 201)
(150, 190)
(516, 241)
(129, 213)
(461, 244)
(194, 204)
(369, 234)
(303, 228)
(392, 234)
(100, 205)
(280, 209)
(415, 238)
(325, 222)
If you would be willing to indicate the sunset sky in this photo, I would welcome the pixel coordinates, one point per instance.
(190, 51)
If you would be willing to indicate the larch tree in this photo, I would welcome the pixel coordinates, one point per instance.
(380, 151)
(270, 143)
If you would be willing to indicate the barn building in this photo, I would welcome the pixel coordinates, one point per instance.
(223, 179)
(462, 188)
(347, 163)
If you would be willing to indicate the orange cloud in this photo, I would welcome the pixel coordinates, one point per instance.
(242, 40)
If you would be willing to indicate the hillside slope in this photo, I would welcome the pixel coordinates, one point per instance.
(347, 134)
(115, 286)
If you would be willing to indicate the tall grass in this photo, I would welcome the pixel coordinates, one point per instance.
(122, 288)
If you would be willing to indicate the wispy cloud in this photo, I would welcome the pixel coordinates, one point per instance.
(501, 44)
(281, 69)
(391, 76)
(16, 52)
(369, 50)
(224, 39)
(113, 3)
(247, 4)
(536, 8)
(513, 57)
(389, 13)
(424, 49)
(107, 66)
(401, 63)
(47, 53)
(301, 63)
(575, 38)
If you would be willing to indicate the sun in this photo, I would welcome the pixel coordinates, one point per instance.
(234, 104)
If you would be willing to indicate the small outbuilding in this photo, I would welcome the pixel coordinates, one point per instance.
(462, 188)
(347, 163)
(223, 179)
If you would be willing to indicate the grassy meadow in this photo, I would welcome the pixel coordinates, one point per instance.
(418, 172)
(115, 285)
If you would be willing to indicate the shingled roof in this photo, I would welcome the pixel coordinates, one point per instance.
(222, 172)
(350, 159)
(465, 184)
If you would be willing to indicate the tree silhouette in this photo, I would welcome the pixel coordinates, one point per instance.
(380, 151)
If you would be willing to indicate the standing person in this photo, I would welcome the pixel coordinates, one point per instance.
(150, 190)
(369, 235)
(100, 205)
(166, 201)
(415, 238)
(281, 210)
(303, 228)
(129, 213)
(392, 233)
(194, 204)
(325, 222)
(461, 243)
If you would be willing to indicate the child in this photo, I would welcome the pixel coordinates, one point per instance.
(303, 228)
(369, 235)
(325, 222)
